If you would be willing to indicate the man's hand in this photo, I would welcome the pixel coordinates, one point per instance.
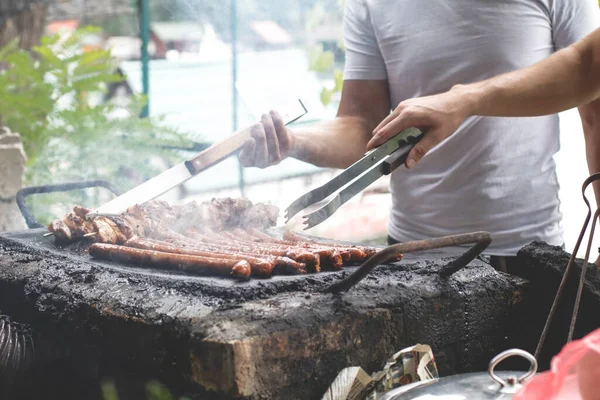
(441, 114)
(270, 142)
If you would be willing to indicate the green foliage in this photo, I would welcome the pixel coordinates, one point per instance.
(109, 391)
(154, 391)
(54, 96)
(157, 391)
(320, 60)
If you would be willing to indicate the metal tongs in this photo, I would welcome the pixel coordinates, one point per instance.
(584, 269)
(354, 179)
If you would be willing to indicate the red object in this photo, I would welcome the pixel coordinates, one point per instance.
(60, 26)
(574, 374)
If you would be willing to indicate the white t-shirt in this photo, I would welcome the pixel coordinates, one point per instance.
(493, 174)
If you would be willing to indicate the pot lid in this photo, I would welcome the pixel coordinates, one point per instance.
(501, 385)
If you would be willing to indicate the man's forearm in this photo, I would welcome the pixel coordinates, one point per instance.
(566, 79)
(590, 119)
(332, 144)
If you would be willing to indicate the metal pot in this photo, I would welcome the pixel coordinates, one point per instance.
(501, 385)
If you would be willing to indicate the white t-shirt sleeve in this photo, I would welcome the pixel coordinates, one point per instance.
(363, 57)
(572, 20)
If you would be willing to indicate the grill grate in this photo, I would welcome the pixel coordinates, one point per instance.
(17, 350)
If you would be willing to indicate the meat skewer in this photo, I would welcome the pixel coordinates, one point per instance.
(260, 267)
(70, 227)
(189, 263)
(87, 235)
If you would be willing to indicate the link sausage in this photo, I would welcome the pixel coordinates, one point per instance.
(188, 263)
(260, 267)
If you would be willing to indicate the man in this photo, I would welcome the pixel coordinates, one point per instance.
(493, 174)
(567, 79)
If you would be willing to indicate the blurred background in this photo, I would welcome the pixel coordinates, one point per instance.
(122, 89)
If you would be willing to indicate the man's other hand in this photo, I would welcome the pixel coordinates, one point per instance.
(440, 115)
(270, 142)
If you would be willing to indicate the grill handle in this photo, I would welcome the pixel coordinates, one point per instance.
(59, 187)
(480, 240)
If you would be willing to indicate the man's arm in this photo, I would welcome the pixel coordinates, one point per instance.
(339, 143)
(365, 101)
(333, 144)
(590, 120)
(568, 78)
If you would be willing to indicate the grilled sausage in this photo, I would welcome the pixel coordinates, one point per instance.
(194, 264)
(358, 253)
(331, 257)
(281, 265)
(260, 236)
(310, 258)
(311, 261)
(260, 267)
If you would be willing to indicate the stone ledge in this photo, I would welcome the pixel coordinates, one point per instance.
(282, 339)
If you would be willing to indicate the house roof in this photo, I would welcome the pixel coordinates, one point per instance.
(61, 26)
(271, 32)
(171, 31)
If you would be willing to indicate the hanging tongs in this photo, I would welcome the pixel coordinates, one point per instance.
(354, 179)
(596, 216)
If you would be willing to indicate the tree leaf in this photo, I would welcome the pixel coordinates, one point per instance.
(319, 60)
(47, 99)
(326, 95)
(338, 77)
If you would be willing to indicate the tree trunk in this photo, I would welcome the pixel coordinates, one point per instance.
(25, 21)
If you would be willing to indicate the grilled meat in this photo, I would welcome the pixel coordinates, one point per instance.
(190, 263)
(70, 227)
(61, 231)
(259, 266)
(281, 265)
(223, 237)
(311, 260)
(331, 258)
(358, 253)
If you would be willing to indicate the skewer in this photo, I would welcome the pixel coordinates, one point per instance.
(87, 235)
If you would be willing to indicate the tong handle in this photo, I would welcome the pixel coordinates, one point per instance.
(395, 160)
(398, 157)
(218, 151)
(234, 142)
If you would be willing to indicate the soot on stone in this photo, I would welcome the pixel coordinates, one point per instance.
(278, 338)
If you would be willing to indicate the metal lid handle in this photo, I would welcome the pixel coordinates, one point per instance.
(509, 353)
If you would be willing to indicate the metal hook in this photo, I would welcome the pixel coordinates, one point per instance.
(481, 240)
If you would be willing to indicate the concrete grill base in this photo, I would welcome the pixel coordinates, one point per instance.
(277, 338)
